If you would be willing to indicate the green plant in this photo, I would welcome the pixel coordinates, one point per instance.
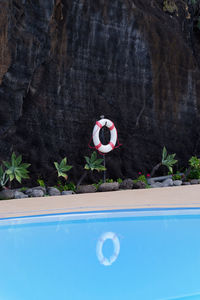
(62, 168)
(194, 162)
(119, 180)
(108, 180)
(3, 177)
(193, 172)
(176, 176)
(70, 187)
(141, 178)
(41, 183)
(65, 187)
(94, 163)
(15, 169)
(167, 161)
(23, 189)
(98, 184)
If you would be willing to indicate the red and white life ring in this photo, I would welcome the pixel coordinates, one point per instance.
(113, 136)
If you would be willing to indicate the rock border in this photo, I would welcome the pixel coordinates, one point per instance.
(126, 184)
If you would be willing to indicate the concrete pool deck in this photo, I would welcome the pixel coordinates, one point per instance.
(172, 197)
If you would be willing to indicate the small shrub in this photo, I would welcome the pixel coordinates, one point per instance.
(41, 183)
(65, 187)
(97, 185)
(193, 172)
(119, 180)
(94, 163)
(23, 189)
(108, 180)
(167, 161)
(176, 176)
(15, 169)
(141, 178)
(62, 168)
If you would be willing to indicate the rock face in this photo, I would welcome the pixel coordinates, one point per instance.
(63, 63)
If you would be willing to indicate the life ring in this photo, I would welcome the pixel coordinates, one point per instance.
(113, 135)
(106, 236)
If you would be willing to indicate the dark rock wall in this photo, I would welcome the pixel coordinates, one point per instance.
(63, 63)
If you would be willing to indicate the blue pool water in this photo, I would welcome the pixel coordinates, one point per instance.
(139, 254)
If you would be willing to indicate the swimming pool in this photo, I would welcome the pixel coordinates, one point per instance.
(135, 254)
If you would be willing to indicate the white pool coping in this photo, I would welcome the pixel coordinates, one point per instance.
(171, 197)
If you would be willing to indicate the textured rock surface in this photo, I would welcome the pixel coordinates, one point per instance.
(139, 185)
(63, 63)
(86, 189)
(19, 195)
(177, 182)
(67, 193)
(53, 191)
(108, 186)
(126, 184)
(6, 194)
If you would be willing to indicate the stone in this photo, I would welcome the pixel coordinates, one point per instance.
(150, 181)
(82, 189)
(108, 187)
(37, 193)
(167, 182)
(28, 192)
(39, 188)
(135, 58)
(6, 194)
(157, 185)
(139, 185)
(177, 182)
(194, 181)
(67, 193)
(127, 184)
(186, 183)
(20, 195)
(52, 191)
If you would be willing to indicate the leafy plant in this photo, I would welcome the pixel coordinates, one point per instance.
(141, 178)
(94, 163)
(23, 189)
(98, 184)
(108, 180)
(168, 160)
(41, 183)
(65, 187)
(194, 162)
(176, 176)
(3, 177)
(15, 169)
(119, 180)
(62, 168)
(193, 172)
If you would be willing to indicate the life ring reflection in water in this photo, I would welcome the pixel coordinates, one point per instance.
(102, 259)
